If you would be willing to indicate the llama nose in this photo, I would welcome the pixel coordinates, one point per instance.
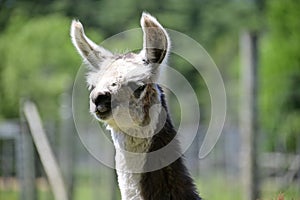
(103, 102)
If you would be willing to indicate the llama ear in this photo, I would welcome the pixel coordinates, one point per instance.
(89, 51)
(156, 42)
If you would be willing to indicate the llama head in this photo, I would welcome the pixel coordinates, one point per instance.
(122, 87)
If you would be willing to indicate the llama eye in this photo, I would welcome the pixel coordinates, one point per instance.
(137, 92)
(146, 62)
(136, 89)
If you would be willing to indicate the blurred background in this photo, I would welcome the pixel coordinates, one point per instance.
(254, 43)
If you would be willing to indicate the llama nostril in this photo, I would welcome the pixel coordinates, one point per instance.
(102, 98)
(103, 102)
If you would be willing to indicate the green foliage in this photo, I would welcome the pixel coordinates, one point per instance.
(280, 75)
(36, 52)
(37, 62)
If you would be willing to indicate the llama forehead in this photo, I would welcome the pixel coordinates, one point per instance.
(121, 70)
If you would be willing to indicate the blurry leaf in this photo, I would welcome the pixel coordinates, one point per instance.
(280, 74)
(38, 62)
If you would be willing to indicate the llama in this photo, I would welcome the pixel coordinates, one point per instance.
(125, 96)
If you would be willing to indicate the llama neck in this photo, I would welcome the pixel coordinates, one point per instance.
(132, 144)
(169, 182)
(129, 182)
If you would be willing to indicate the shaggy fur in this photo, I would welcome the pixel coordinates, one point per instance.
(171, 182)
(124, 95)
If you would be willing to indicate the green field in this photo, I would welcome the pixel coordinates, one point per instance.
(213, 189)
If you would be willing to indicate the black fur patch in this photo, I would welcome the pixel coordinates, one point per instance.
(172, 182)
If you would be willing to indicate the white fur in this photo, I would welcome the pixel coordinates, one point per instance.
(110, 74)
(129, 183)
(83, 44)
(153, 19)
(127, 162)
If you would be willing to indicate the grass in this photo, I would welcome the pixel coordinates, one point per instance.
(9, 194)
(220, 187)
(210, 189)
(272, 192)
(15, 194)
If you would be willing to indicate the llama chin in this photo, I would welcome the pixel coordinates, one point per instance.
(125, 96)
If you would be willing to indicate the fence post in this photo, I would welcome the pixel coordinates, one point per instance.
(26, 163)
(248, 115)
(45, 152)
(66, 142)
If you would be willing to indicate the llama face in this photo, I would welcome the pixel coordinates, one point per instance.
(122, 87)
(118, 90)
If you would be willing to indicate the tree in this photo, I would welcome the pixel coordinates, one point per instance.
(37, 62)
(280, 76)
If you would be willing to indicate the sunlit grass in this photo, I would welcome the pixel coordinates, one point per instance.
(213, 188)
(9, 194)
(216, 188)
(273, 192)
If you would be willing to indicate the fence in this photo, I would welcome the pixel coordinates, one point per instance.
(86, 177)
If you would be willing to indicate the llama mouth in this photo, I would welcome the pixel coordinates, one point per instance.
(103, 115)
(104, 111)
